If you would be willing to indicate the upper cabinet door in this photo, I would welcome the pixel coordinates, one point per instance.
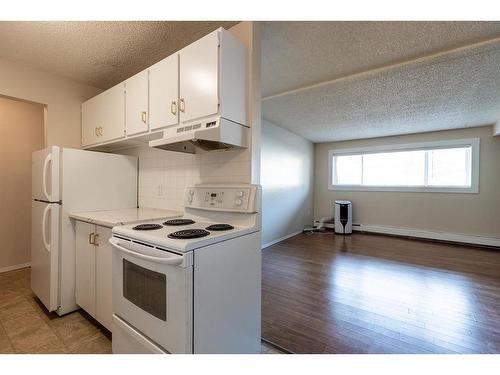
(164, 93)
(91, 121)
(136, 104)
(199, 66)
(103, 117)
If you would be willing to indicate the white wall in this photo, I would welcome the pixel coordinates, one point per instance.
(62, 97)
(164, 175)
(468, 214)
(287, 182)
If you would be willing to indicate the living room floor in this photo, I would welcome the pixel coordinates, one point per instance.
(364, 293)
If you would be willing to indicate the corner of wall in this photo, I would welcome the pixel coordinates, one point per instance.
(248, 32)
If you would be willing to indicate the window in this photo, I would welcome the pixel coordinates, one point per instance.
(445, 166)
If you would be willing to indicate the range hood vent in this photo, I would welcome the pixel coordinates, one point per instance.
(209, 135)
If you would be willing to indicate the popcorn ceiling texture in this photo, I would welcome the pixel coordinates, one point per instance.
(459, 89)
(443, 93)
(297, 54)
(100, 54)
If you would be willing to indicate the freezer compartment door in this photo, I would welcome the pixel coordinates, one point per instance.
(45, 252)
(45, 174)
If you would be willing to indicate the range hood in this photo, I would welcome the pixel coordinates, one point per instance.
(207, 135)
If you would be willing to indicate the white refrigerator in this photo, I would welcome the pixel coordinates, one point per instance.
(64, 181)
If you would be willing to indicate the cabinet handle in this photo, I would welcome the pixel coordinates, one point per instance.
(96, 240)
(173, 107)
(91, 238)
(143, 116)
(182, 105)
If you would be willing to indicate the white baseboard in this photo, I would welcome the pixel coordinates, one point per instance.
(14, 267)
(280, 239)
(418, 233)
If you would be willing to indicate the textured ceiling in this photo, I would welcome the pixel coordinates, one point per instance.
(445, 92)
(296, 54)
(100, 54)
(385, 78)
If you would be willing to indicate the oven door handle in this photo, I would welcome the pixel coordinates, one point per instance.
(174, 260)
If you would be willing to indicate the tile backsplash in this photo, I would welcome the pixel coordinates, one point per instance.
(164, 175)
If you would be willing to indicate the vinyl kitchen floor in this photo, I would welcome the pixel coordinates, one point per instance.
(27, 327)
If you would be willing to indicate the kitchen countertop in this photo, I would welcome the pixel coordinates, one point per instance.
(111, 218)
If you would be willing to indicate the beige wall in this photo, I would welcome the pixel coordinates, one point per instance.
(21, 132)
(473, 214)
(287, 183)
(62, 96)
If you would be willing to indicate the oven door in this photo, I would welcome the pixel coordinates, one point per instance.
(153, 293)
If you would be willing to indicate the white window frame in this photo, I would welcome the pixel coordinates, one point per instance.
(474, 143)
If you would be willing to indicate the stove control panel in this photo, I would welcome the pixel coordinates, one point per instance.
(220, 198)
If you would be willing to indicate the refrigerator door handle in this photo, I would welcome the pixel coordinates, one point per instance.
(44, 230)
(48, 159)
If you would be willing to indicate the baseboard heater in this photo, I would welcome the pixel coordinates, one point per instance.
(430, 235)
(466, 239)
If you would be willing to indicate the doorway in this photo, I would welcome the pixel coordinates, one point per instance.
(21, 133)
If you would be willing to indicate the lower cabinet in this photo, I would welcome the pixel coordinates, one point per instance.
(93, 272)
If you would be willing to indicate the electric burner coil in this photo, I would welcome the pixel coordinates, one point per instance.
(179, 222)
(189, 233)
(219, 227)
(147, 227)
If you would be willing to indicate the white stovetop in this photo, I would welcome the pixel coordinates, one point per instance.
(160, 237)
(111, 218)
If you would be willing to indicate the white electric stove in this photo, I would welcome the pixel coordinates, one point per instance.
(191, 284)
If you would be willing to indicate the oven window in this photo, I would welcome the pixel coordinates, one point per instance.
(146, 289)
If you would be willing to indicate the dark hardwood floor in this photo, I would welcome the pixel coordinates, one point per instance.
(325, 293)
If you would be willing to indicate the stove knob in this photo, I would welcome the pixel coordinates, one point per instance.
(191, 192)
(240, 194)
(238, 202)
(190, 199)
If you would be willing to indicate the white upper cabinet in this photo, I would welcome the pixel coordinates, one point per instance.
(199, 67)
(164, 93)
(206, 79)
(136, 104)
(91, 121)
(103, 117)
(233, 89)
